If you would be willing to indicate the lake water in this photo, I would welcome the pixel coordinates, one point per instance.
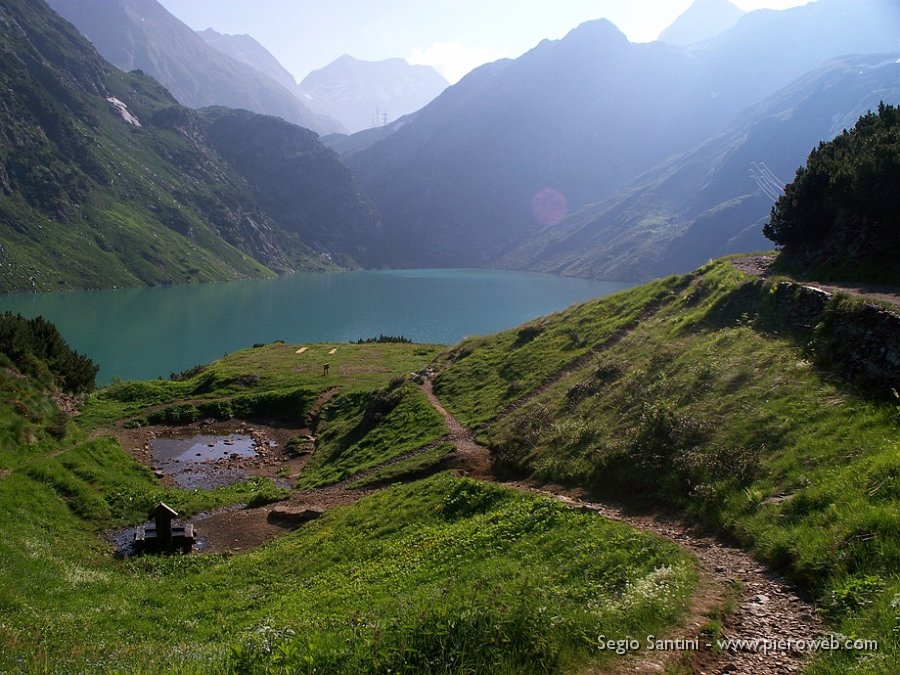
(144, 333)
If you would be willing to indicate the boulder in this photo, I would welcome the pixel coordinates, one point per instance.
(294, 515)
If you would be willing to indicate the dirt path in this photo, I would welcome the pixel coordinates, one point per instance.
(471, 458)
(764, 605)
(237, 528)
(760, 266)
(315, 413)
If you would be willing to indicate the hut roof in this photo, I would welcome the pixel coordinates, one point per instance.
(163, 508)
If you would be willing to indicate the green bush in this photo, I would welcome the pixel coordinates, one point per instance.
(843, 207)
(468, 498)
(176, 414)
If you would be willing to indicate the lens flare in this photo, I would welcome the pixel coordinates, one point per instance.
(549, 206)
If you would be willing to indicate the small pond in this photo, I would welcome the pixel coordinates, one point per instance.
(203, 461)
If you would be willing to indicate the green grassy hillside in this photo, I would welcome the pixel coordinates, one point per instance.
(436, 575)
(726, 402)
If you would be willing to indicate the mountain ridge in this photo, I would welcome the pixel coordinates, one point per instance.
(365, 94)
(713, 199)
(518, 100)
(143, 35)
(105, 180)
(529, 136)
(246, 49)
(704, 19)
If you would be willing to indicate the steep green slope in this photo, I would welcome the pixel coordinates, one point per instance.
(299, 182)
(106, 181)
(761, 407)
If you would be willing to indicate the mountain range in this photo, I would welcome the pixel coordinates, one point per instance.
(143, 35)
(106, 180)
(455, 185)
(588, 155)
(247, 50)
(574, 121)
(357, 94)
(714, 199)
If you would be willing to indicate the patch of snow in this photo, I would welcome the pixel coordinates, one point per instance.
(122, 109)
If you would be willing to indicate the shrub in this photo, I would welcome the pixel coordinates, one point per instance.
(36, 348)
(384, 339)
(468, 498)
(176, 414)
(843, 206)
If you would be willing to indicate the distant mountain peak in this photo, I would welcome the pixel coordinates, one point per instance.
(144, 35)
(364, 94)
(597, 30)
(704, 19)
(246, 49)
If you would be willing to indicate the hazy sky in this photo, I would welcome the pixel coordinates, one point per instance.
(452, 35)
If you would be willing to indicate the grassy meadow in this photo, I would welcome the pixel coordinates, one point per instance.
(439, 574)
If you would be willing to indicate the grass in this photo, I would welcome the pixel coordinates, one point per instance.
(363, 431)
(384, 584)
(417, 465)
(700, 395)
(716, 406)
(439, 574)
(482, 375)
(372, 418)
(275, 370)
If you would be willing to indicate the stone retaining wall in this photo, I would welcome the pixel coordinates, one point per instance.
(861, 340)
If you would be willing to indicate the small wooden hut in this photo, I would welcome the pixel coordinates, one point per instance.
(164, 536)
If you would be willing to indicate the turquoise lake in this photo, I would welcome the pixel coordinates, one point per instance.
(145, 333)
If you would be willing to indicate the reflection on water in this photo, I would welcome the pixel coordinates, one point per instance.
(202, 461)
(200, 448)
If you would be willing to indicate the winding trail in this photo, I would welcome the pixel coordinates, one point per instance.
(751, 602)
(760, 266)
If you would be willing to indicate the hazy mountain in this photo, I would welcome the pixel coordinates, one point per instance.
(702, 20)
(106, 180)
(583, 116)
(364, 94)
(247, 50)
(299, 182)
(345, 144)
(714, 200)
(143, 35)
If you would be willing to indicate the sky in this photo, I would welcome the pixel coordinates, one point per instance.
(454, 36)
